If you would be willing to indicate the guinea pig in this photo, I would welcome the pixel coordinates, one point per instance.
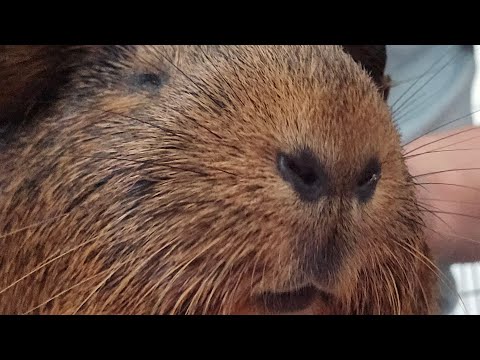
(205, 180)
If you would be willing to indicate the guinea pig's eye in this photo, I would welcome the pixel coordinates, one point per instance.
(149, 81)
(368, 180)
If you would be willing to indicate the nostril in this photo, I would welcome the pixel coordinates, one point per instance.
(368, 180)
(303, 171)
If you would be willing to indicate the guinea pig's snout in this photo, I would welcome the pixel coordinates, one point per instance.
(304, 172)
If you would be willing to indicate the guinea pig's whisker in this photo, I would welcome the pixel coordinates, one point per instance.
(387, 281)
(425, 209)
(392, 284)
(449, 184)
(445, 171)
(424, 205)
(206, 303)
(111, 112)
(63, 292)
(47, 262)
(156, 285)
(394, 256)
(470, 240)
(474, 292)
(444, 137)
(227, 298)
(377, 292)
(100, 157)
(416, 183)
(76, 285)
(405, 102)
(125, 281)
(255, 263)
(396, 83)
(437, 272)
(225, 272)
(234, 291)
(431, 266)
(240, 82)
(149, 123)
(178, 271)
(198, 296)
(420, 77)
(198, 123)
(424, 100)
(424, 84)
(397, 259)
(220, 74)
(96, 289)
(124, 284)
(248, 251)
(175, 308)
(165, 130)
(40, 223)
(439, 151)
(456, 143)
(451, 201)
(435, 213)
(209, 95)
(143, 162)
(445, 146)
(422, 289)
(190, 293)
(454, 213)
(108, 277)
(421, 99)
(262, 282)
(138, 120)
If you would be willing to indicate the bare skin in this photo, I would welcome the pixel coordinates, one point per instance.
(456, 238)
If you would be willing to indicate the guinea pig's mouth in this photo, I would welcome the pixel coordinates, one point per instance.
(289, 301)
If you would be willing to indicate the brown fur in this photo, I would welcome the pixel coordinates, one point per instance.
(144, 199)
(28, 74)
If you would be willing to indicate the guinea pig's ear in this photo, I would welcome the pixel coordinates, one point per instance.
(373, 58)
(29, 78)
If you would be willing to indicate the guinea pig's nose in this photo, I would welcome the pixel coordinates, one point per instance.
(304, 172)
